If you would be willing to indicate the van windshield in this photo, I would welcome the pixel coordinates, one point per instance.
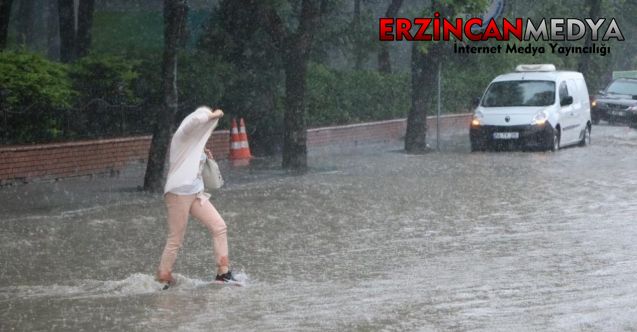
(519, 93)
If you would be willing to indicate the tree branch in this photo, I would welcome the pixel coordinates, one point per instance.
(393, 8)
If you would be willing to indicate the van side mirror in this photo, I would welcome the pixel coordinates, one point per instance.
(475, 102)
(566, 101)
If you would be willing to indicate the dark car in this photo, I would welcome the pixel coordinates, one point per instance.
(617, 103)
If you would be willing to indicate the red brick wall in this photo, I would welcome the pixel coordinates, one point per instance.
(380, 131)
(24, 163)
(219, 144)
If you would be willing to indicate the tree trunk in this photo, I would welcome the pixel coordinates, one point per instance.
(359, 55)
(423, 73)
(265, 139)
(585, 59)
(384, 63)
(295, 49)
(53, 30)
(5, 15)
(25, 23)
(416, 134)
(66, 12)
(295, 124)
(175, 13)
(84, 27)
(296, 57)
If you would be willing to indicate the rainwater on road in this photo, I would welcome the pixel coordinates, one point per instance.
(369, 239)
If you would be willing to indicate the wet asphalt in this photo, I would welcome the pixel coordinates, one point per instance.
(369, 239)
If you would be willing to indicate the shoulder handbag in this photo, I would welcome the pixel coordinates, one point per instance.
(211, 175)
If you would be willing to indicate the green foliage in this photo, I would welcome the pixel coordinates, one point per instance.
(105, 77)
(106, 96)
(251, 70)
(231, 62)
(202, 78)
(475, 7)
(32, 88)
(31, 81)
(47, 101)
(341, 97)
(148, 85)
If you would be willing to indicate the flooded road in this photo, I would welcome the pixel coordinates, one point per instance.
(370, 239)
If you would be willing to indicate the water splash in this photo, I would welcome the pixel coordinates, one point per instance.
(136, 284)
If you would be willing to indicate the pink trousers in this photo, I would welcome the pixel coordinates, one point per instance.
(179, 208)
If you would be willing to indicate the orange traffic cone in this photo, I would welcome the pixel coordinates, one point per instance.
(239, 147)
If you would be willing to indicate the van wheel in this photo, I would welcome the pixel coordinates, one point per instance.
(555, 142)
(586, 139)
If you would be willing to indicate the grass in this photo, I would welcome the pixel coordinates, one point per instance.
(127, 32)
(134, 32)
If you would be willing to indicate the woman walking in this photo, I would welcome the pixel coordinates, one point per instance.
(184, 193)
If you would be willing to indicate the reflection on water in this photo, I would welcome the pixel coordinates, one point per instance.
(370, 239)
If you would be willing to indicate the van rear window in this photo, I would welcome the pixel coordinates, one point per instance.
(519, 93)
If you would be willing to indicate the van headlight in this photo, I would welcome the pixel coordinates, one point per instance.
(540, 118)
(477, 118)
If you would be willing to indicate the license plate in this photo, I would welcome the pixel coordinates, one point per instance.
(514, 135)
(620, 113)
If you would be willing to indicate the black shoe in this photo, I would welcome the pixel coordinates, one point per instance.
(226, 277)
(166, 281)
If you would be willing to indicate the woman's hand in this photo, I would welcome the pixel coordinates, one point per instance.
(217, 114)
(208, 153)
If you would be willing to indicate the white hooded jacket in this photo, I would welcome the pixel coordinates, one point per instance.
(186, 148)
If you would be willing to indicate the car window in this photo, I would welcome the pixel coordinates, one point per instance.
(563, 90)
(623, 87)
(519, 93)
(572, 88)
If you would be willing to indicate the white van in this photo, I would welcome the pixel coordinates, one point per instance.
(535, 106)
